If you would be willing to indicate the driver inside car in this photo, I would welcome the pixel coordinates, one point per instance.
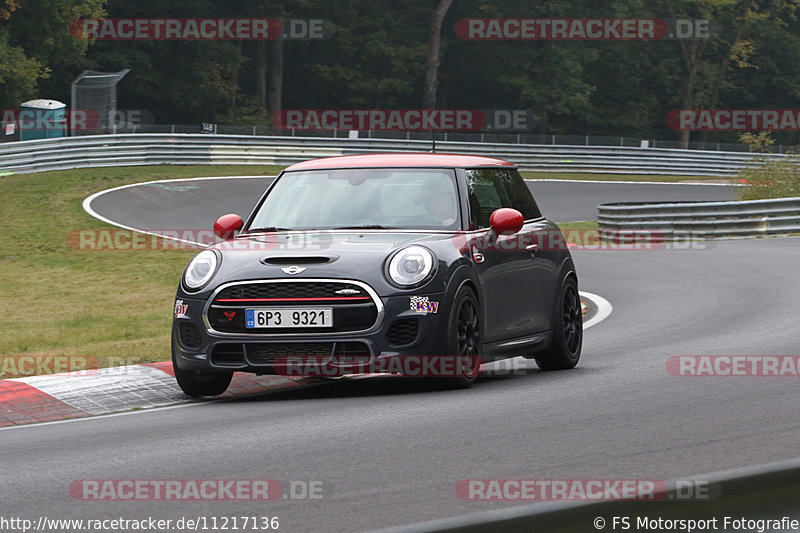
(439, 199)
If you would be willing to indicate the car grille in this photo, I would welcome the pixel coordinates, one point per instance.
(403, 331)
(228, 355)
(189, 334)
(299, 289)
(353, 307)
(266, 353)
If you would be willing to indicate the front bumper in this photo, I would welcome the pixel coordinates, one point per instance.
(399, 330)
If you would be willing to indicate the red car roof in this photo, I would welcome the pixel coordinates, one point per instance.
(409, 159)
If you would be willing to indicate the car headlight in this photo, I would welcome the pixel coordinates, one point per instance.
(200, 270)
(411, 266)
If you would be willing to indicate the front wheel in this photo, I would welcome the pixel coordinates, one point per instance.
(196, 383)
(565, 349)
(464, 339)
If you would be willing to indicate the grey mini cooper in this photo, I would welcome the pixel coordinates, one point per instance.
(358, 260)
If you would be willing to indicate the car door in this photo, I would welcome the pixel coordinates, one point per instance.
(505, 263)
(547, 248)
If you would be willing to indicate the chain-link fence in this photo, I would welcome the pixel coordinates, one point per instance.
(94, 102)
(118, 124)
(481, 137)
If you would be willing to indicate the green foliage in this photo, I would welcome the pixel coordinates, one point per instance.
(18, 74)
(772, 178)
(758, 142)
(377, 55)
(41, 28)
(249, 113)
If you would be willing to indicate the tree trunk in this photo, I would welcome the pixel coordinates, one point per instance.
(434, 48)
(722, 75)
(235, 95)
(261, 71)
(692, 52)
(276, 78)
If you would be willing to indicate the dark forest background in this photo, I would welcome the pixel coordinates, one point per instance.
(384, 54)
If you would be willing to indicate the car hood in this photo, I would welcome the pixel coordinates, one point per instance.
(334, 254)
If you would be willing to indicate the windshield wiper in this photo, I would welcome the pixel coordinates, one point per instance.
(365, 226)
(267, 229)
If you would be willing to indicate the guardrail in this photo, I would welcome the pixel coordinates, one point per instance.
(702, 219)
(152, 149)
(766, 492)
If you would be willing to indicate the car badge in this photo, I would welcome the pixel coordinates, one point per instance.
(347, 291)
(294, 269)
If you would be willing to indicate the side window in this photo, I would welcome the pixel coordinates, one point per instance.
(491, 188)
(521, 197)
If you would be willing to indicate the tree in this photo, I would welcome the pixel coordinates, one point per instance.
(180, 82)
(708, 62)
(276, 77)
(434, 49)
(40, 28)
(18, 74)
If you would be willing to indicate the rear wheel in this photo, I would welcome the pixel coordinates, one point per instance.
(197, 383)
(565, 349)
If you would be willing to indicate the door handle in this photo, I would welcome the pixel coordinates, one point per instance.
(532, 247)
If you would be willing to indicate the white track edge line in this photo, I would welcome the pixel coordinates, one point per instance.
(640, 182)
(188, 403)
(604, 309)
(87, 204)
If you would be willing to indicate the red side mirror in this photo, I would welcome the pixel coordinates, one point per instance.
(227, 225)
(506, 221)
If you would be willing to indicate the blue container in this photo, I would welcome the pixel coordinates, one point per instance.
(42, 119)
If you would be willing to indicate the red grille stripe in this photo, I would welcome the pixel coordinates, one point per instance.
(292, 299)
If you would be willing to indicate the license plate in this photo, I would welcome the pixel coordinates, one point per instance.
(289, 317)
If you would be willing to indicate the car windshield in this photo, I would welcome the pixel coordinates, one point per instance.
(375, 198)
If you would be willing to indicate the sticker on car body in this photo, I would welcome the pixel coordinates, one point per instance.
(422, 304)
(180, 309)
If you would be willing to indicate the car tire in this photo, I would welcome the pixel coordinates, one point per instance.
(196, 383)
(464, 338)
(565, 347)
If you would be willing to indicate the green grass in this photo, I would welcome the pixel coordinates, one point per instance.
(581, 233)
(57, 300)
(612, 177)
(578, 226)
(774, 178)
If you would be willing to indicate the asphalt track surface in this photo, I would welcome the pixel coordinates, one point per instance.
(195, 204)
(390, 452)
